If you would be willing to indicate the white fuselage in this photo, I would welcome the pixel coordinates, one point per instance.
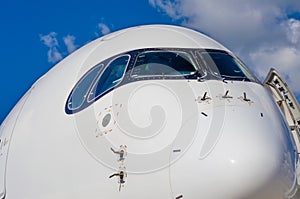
(179, 138)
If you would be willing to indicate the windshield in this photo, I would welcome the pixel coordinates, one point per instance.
(226, 66)
(111, 76)
(163, 63)
(154, 64)
(80, 90)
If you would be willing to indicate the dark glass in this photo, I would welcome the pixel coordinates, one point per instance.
(163, 63)
(226, 66)
(111, 76)
(80, 90)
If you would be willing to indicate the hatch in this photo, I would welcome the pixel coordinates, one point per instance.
(286, 101)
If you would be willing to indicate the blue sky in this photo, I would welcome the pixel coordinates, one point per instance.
(37, 34)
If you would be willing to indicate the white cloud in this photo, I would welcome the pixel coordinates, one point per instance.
(231, 22)
(50, 39)
(167, 6)
(54, 55)
(293, 30)
(259, 32)
(69, 41)
(104, 29)
(51, 42)
(285, 60)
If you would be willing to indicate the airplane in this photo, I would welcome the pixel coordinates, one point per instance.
(152, 111)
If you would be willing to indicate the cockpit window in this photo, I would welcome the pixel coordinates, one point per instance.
(226, 66)
(153, 64)
(110, 77)
(80, 90)
(163, 63)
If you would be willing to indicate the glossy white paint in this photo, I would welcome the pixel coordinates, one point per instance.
(219, 147)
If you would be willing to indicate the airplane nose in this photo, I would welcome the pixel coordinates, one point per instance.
(251, 155)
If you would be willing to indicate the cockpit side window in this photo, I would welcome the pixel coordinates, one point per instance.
(80, 90)
(110, 77)
(224, 65)
(163, 63)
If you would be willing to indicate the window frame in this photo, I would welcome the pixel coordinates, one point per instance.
(100, 66)
(100, 75)
(193, 62)
(248, 75)
(202, 72)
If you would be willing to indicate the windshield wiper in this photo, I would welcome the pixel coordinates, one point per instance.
(240, 78)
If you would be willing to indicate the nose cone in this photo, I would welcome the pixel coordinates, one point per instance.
(252, 154)
(251, 157)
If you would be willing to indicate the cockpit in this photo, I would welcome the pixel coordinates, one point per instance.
(151, 64)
